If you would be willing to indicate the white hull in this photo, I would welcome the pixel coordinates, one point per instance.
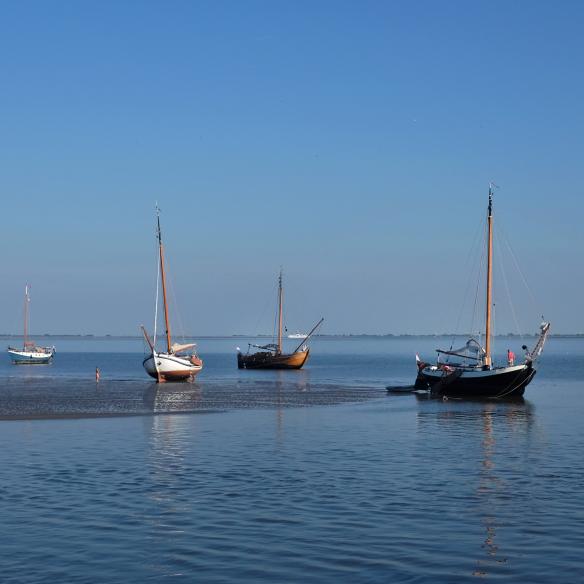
(169, 367)
(41, 357)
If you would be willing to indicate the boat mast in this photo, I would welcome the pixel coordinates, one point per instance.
(489, 279)
(280, 299)
(163, 277)
(26, 301)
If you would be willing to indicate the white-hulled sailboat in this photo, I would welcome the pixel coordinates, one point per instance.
(30, 354)
(179, 362)
(472, 373)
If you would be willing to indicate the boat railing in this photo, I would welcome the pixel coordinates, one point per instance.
(33, 349)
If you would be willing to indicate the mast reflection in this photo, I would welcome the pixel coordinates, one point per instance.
(491, 426)
(288, 386)
(173, 397)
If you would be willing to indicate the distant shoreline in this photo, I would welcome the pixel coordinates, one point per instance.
(89, 337)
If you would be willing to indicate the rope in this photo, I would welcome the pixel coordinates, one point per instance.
(157, 297)
(494, 317)
(274, 326)
(175, 308)
(508, 391)
(505, 281)
(262, 314)
(274, 333)
(514, 257)
(482, 270)
(471, 254)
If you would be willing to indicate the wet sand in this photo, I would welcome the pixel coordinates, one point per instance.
(47, 398)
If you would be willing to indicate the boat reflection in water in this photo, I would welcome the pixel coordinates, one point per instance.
(274, 390)
(299, 383)
(168, 476)
(173, 398)
(491, 432)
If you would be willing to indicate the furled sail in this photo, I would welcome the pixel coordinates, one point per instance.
(544, 329)
(178, 348)
(472, 349)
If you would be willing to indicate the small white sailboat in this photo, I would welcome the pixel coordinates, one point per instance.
(179, 362)
(297, 335)
(30, 354)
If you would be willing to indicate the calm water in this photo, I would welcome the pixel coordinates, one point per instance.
(311, 476)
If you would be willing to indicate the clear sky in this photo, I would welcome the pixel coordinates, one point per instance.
(350, 142)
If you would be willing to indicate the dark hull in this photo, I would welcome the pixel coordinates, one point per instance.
(266, 360)
(508, 385)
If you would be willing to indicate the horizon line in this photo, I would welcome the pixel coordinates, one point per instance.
(264, 335)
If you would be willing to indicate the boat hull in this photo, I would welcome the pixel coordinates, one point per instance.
(31, 357)
(266, 360)
(169, 367)
(503, 382)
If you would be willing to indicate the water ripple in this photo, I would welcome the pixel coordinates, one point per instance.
(375, 489)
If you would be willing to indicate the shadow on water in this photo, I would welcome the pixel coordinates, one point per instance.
(490, 430)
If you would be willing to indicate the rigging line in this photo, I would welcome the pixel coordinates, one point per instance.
(293, 310)
(27, 314)
(514, 257)
(145, 348)
(274, 333)
(468, 283)
(494, 321)
(262, 314)
(495, 330)
(471, 253)
(480, 275)
(284, 319)
(175, 305)
(174, 312)
(506, 282)
(275, 325)
(157, 296)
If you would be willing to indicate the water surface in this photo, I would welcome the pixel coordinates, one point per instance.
(311, 476)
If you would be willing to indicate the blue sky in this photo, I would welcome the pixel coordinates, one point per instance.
(350, 142)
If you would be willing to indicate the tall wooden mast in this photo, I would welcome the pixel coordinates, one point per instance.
(280, 300)
(163, 277)
(488, 333)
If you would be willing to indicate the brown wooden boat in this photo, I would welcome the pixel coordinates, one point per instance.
(267, 359)
(271, 356)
